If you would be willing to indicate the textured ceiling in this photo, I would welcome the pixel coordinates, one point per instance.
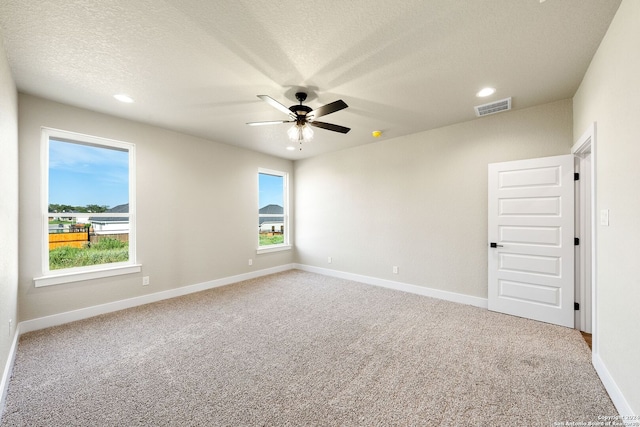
(196, 66)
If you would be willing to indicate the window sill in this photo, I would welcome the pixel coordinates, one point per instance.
(273, 248)
(77, 276)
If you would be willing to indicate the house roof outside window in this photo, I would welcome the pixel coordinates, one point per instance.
(116, 209)
(271, 210)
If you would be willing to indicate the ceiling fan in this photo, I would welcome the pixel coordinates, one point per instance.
(303, 116)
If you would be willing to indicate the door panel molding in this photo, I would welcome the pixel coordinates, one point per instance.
(531, 220)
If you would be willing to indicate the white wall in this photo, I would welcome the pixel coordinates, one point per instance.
(610, 96)
(418, 202)
(183, 184)
(8, 208)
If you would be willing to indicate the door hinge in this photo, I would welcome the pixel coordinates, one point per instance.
(576, 306)
(576, 176)
(576, 241)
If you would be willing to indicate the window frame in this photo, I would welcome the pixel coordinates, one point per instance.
(68, 275)
(286, 245)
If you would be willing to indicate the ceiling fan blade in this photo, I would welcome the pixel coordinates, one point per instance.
(272, 122)
(330, 126)
(329, 108)
(269, 100)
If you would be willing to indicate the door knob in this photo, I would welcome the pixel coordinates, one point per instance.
(495, 245)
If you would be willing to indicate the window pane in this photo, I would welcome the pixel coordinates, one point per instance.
(85, 180)
(271, 214)
(82, 175)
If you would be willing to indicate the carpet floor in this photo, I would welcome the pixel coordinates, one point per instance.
(301, 349)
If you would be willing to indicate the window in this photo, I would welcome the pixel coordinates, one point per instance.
(88, 207)
(273, 211)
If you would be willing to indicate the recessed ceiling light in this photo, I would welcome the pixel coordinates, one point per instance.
(123, 98)
(486, 92)
(291, 148)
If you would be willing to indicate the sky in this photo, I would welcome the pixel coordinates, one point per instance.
(81, 175)
(270, 190)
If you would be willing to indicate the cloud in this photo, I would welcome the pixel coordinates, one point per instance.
(78, 158)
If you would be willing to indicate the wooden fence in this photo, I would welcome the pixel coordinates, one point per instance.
(75, 240)
(79, 240)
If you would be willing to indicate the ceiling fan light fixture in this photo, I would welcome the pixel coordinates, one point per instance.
(300, 133)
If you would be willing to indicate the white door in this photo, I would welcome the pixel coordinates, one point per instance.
(531, 235)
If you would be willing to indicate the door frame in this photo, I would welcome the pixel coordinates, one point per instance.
(585, 144)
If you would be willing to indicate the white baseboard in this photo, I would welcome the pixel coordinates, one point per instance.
(96, 310)
(618, 399)
(405, 287)
(8, 369)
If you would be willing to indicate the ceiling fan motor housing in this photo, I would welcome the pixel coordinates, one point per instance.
(300, 111)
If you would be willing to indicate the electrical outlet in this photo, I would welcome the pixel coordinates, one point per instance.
(145, 281)
(250, 261)
(329, 260)
(395, 269)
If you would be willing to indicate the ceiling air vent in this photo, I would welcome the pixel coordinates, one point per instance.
(493, 107)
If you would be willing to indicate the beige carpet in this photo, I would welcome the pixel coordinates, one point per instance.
(300, 349)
